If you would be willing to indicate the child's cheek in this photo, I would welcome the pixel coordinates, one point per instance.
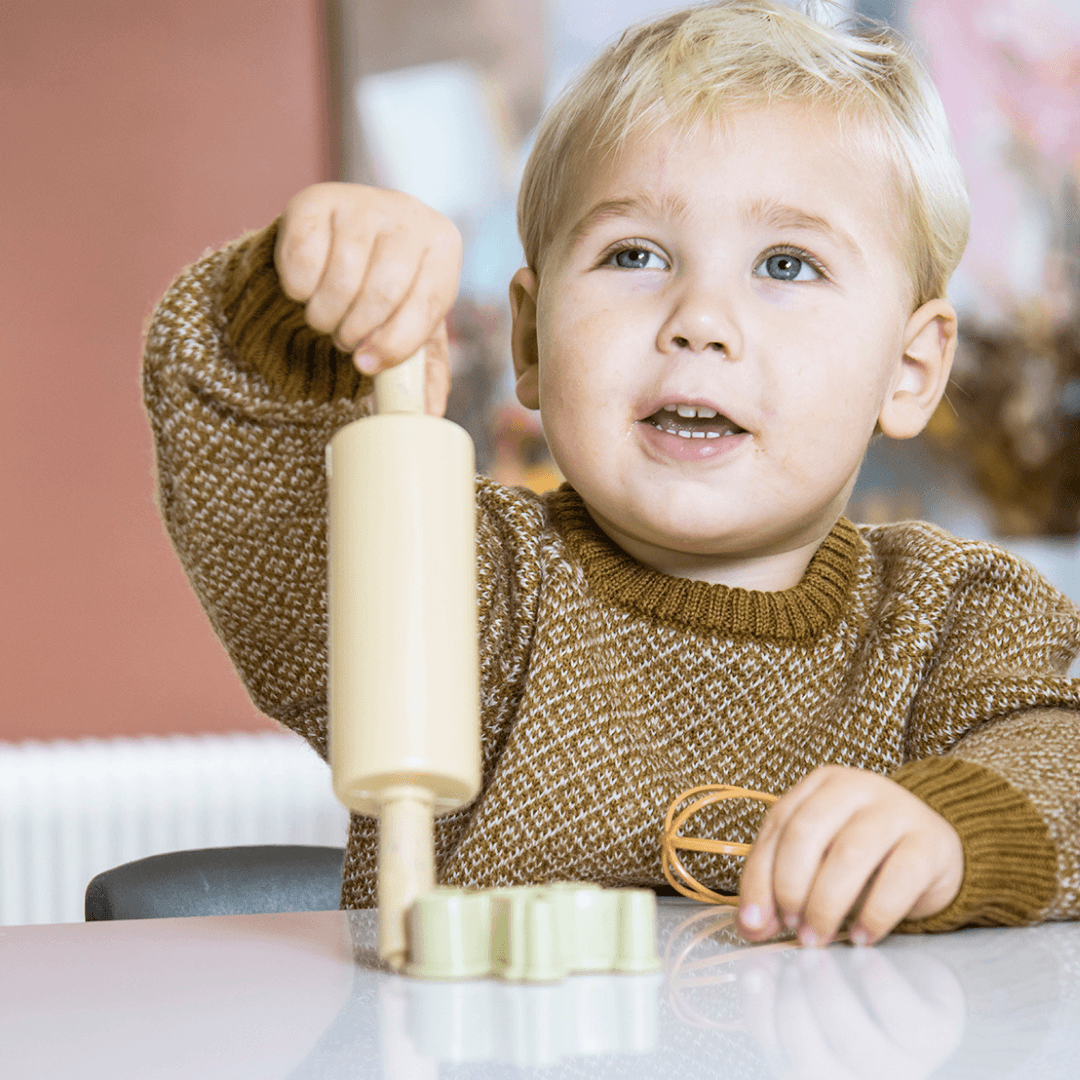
(802, 310)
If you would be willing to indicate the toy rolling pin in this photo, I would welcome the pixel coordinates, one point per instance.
(404, 682)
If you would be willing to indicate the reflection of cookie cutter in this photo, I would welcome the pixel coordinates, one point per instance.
(700, 797)
(528, 1025)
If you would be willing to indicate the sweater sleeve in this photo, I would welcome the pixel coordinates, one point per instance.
(993, 740)
(242, 398)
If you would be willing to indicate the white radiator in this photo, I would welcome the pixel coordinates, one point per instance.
(70, 809)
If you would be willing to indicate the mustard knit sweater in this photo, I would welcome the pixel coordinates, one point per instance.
(607, 687)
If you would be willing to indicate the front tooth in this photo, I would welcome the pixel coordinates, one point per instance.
(669, 408)
(683, 434)
(706, 413)
(687, 410)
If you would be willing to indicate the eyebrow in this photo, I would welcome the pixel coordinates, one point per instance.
(643, 204)
(779, 215)
(769, 212)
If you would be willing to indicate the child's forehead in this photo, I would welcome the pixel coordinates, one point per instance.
(788, 153)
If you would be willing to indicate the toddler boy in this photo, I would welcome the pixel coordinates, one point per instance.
(739, 225)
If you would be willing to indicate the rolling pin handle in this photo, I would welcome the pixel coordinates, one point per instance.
(400, 389)
(406, 864)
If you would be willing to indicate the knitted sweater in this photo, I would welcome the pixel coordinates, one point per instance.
(606, 687)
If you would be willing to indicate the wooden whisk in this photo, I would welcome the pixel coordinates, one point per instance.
(698, 798)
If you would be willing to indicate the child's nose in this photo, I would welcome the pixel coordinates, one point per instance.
(685, 343)
(701, 325)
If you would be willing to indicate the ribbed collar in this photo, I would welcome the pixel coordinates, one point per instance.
(794, 614)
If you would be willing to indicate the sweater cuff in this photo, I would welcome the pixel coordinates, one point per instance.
(1010, 864)
(270, 335)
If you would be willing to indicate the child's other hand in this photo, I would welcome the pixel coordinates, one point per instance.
(377, 270)
(835, 834)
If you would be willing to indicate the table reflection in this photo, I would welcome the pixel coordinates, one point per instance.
(839, 1013)
(971, 1004)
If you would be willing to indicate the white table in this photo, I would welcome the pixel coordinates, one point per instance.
(300, 997)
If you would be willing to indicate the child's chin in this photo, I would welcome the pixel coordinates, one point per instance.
(696, 539)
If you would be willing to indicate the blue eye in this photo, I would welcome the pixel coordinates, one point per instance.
(785, 266)
(637, 258)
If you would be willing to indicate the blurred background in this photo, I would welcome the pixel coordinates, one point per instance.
(138, 134)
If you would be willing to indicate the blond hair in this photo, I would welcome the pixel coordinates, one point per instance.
(701, 64)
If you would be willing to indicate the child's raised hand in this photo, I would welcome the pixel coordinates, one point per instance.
(836, 834)
(377, 270)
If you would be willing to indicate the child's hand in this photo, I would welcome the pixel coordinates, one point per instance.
(836, 833)
(377, 270)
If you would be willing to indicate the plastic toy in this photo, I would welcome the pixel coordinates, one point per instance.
(528, 934)
(404, 657)
(698, 798)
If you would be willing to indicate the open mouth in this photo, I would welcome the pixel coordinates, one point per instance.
(693, 422)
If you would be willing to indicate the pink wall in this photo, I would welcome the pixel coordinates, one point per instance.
(133, 134)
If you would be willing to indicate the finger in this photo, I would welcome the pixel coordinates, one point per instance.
(758, 918)
(853, 855)
(390, 277)
(302, 248)
(758, 915)
(351, 250)
(421, 307)
(903, 878)
(804, 840)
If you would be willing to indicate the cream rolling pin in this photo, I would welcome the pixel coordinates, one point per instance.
(404, 682)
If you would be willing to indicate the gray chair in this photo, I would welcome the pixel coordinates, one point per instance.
(219, 881)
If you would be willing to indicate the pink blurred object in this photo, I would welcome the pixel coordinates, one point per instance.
(1009, 76)
(1021, 57)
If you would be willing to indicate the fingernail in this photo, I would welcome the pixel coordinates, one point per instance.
(367, 363)
(808, 938)
(858, 936)
(791, 921)
(751, 917)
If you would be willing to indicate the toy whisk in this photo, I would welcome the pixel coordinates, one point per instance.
(698, 798)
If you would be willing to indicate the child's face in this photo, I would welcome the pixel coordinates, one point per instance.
(749, 273)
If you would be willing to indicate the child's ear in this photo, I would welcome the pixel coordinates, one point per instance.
(923, 371)
(523, 289)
